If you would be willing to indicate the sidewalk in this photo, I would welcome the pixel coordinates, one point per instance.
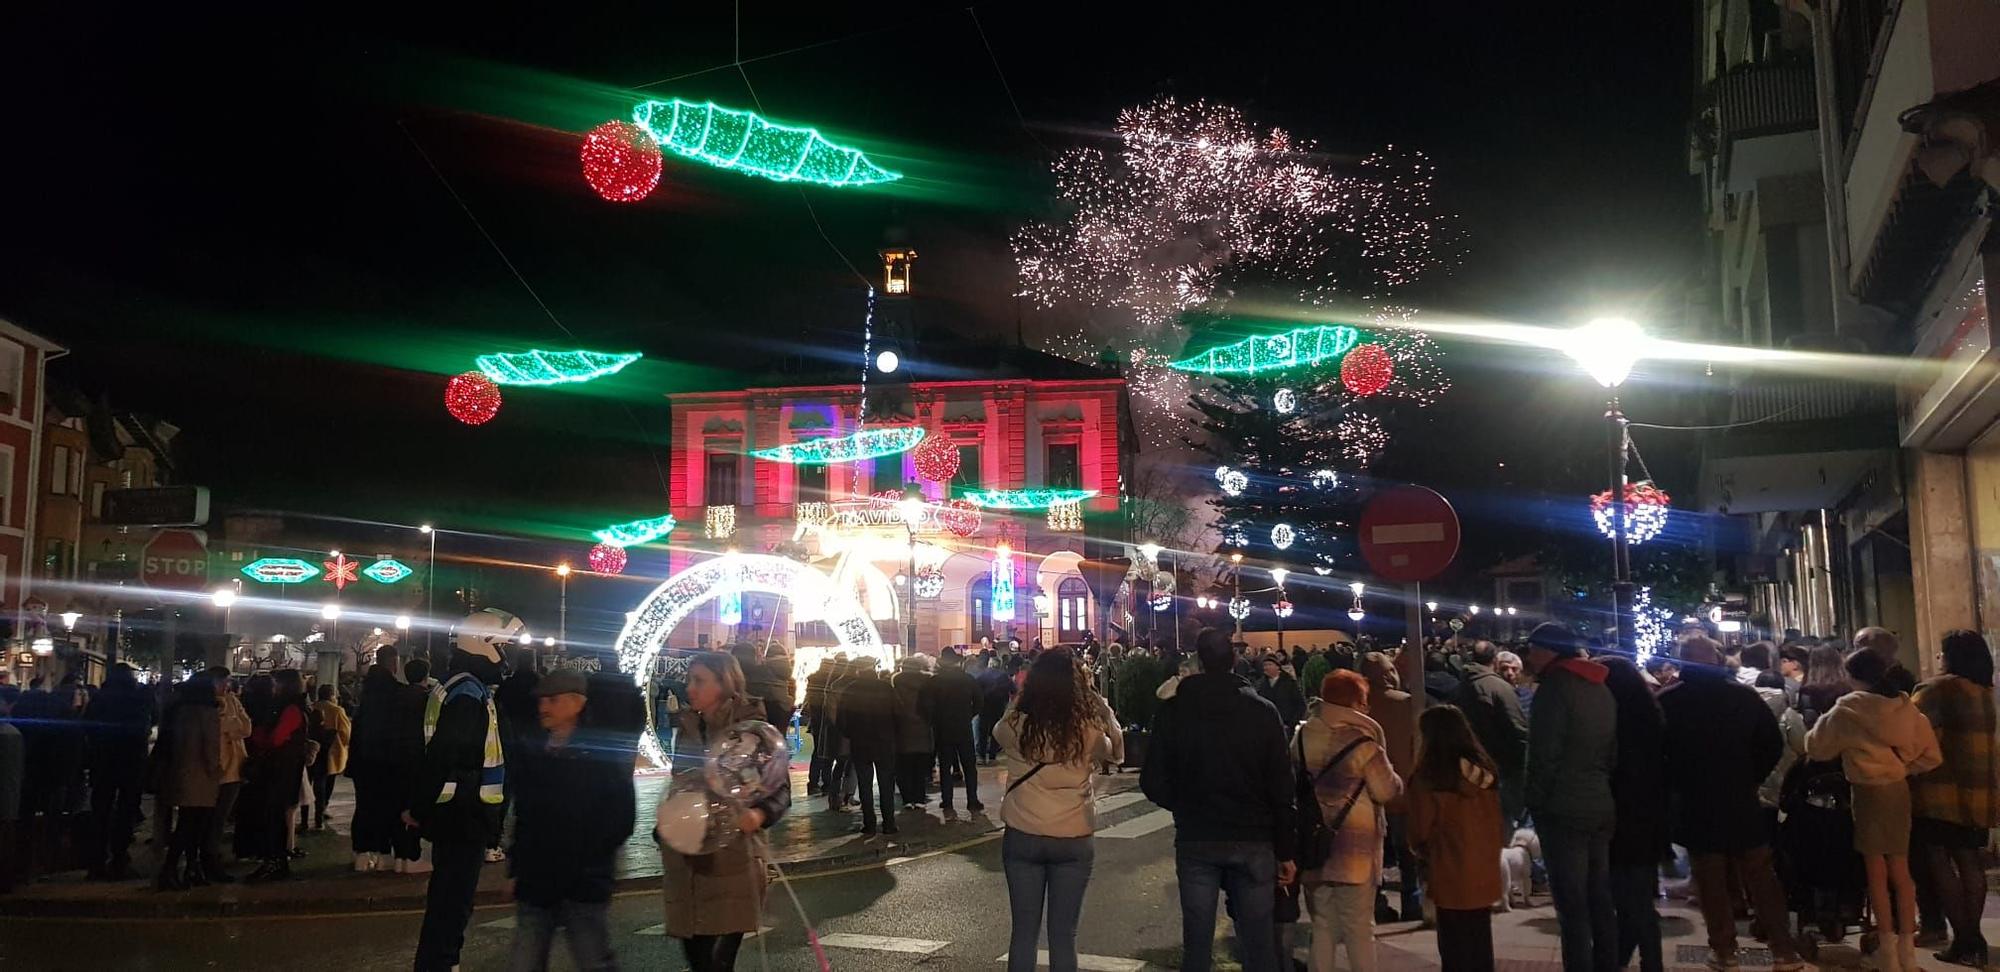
(810, 839)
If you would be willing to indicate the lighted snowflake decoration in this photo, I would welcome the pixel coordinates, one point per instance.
(1285, 401)
(1236, 535)
(1325, 479)
(1282, 536)
(1646, 509)
(1239, 607)
(1233, 481)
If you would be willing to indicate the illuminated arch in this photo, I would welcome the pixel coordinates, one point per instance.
(812, 594)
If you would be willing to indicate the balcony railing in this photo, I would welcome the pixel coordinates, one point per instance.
(1807, 401)
(1764, 99)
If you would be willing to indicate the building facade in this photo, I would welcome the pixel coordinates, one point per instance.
(1016, 432)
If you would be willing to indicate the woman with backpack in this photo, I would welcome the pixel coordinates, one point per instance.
(1454, 806)
(1342, 762)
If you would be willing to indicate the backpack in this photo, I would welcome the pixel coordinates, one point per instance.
(1315, 843)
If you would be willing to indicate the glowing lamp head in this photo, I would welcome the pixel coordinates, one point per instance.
(1357, 587)
(549, 642)
(1355, 614)
(562, 569)
(1278, 575)
(425, 528)
(911, 509)
(1236, 558)
(1606, 349)
(1511, 612)
(223, 597)
(1150, 551)
(70, 618)
(331, 612)
(1475, 608)
(887, 362)
(1431, 606)
(402, 622)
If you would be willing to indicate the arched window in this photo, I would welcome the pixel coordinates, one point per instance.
(1072, 609)
(979, 603)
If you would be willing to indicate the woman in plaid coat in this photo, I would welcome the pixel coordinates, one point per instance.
(1954, 805)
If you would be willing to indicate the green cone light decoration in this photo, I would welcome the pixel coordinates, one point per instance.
(747, 143)
(1298, 347)
(635, 532)
(865, 444)
(551, 367)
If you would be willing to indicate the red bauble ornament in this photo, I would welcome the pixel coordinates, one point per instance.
(1367, 369)
(961, 518)
(607, 559)
(936, 459)
(621, 161)
(472, 398)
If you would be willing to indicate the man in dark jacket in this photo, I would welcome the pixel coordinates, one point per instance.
(1721, 742)
(814, 714)
(119, 721)
(1218, 761)
(573, 809)
(913, 731)
(456, 796)
(1572, 749)
(996, 687)
(951, 698)
(840, 774)
(1494, 710)
(867, 716)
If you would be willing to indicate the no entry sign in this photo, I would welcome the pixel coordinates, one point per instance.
(1409, 534)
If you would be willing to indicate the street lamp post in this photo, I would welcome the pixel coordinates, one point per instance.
(1236, 592)
(1606, 349)
(562, 605)
(1279, 574)
(430, 588)
(912, 509)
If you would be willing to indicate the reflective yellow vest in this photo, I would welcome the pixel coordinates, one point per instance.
(493, 769)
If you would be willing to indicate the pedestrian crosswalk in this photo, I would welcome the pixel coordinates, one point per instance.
(1118, 801)
(883, 943)
(1139, 826)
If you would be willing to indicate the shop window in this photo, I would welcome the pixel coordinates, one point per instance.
(967, 476)
(59, 470)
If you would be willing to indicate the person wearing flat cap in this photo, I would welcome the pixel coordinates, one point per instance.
(574, 808)
(1572, 749)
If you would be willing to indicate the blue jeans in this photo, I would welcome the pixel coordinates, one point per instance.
(589, 935)
(1579, 861)
(1248, 871)
(1045, 869)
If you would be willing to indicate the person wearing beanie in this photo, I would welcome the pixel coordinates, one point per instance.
(1572, 748)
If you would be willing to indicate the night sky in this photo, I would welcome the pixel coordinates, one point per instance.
(232, 222)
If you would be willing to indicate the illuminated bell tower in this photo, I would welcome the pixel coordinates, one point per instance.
(895, 318)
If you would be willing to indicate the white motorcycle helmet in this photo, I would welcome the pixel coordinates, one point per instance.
(484, 632)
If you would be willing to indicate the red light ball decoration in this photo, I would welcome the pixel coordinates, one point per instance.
(936, 459)
(607, 559)
(621, 161)
(961, 518)
(472, 398)
(1367, 370)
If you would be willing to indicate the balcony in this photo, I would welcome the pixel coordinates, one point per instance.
(1796, 444)
(1806, 401)
(1764, 118)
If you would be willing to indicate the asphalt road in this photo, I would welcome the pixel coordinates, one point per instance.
(944, 910)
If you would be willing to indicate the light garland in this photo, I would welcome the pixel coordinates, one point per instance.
(936, 459)
(1282, 536)
(341, 571)
(1024, 499)
(1002, 578)
(1646, 509)
(608, 558)
(621, 161)
(1239, 607)
(472, 398)
(387, 571)
(635, 532)
(745, 142)
(552, 367)
(1285, 401)
(1298, 347)
(719, 522)
(280, 570)
(865, 444)
(1066, 517)
(1367, 370)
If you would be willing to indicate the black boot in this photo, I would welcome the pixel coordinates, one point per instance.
(263, 872)
(169, 879)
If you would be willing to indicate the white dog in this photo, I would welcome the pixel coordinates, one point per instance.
(1517, 868)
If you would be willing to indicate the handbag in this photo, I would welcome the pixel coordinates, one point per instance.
(1315, 843)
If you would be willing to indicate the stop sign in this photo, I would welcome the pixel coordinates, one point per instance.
(1409, 534)
(175, 560)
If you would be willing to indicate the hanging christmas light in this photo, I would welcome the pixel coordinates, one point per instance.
(1282, 536)
(1066, 517)
(961, 518)
(1284, 400)
(719, 522)
(553, 367)
(1236, 535)
(746, 143)
(1239, 607)
(635, 532)
(1646, 509)
(930, 582)
(1283, 608)
(1234, 482)
(621, 161)
(1002, 580)
(1649, 625)
(472, 398)
(1325, 479)
(936, 459)
(1024, 499)
(865, 444)
(1367, 370)
(607, 559)
(1296, 348)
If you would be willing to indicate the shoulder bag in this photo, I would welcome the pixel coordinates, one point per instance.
(1315, 842)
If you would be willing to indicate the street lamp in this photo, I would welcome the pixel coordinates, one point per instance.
(430, 586)
(562, 604)
(70, 618)
(1606, 349)
(330, 612)
(911, 506)
(402, 622)
(1432, 606)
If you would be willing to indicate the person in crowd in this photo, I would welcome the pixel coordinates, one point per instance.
(951, 698)
(233, 724)
(1218, 761)
(1882, 739)
(1318, 665)
(278, 754)
(840, 786)
(1722, 741)
(1882, 642)
(1755, 660)
(1490, 706)
(573, 809)
(1771, 688)
(996, 688)
(1792, 660)
(119, 723)
(378, 765)
(1399, 737)
(914, 740)
(1440, 682)
(57, 750)
(333, 732)
(867, 717)
(458, 784)
(1639, 796)
(13, 773)
(713, 900)
(1052, 739)
(1279, 688)
(1572, 748)
(1825, 682)
(1455, 819)
(191, 744)
(1956, 804)
(1340, 751)
(813, 712)
(769, 678)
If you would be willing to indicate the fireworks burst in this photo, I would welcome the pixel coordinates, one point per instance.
(1362, 438)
